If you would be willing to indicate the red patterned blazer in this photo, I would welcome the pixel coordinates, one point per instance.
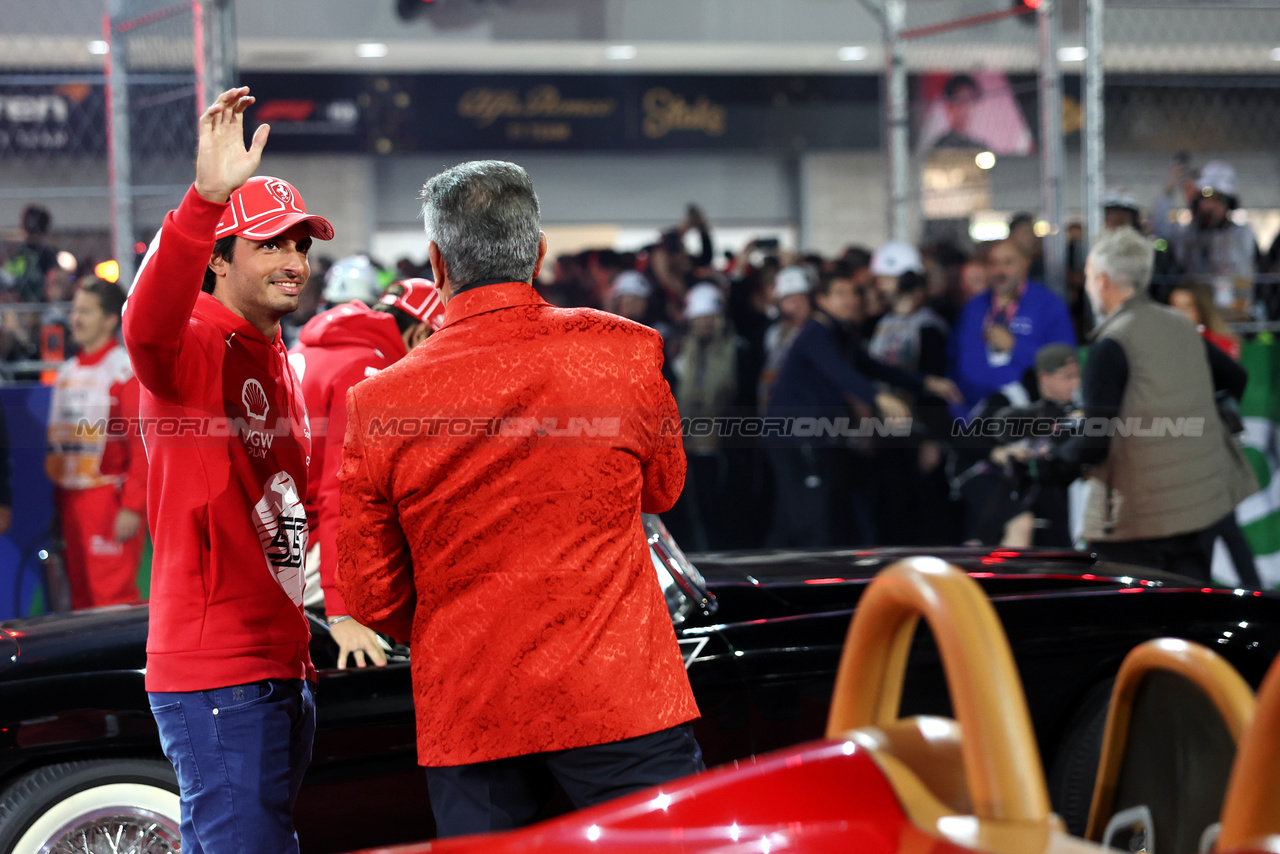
(491, 489)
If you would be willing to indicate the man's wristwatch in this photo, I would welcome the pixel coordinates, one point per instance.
(333, 621)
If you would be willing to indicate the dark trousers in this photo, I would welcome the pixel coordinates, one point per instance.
(240, 753)
(502, 794)
(823, 496)
(1189, 554)
(803, 493)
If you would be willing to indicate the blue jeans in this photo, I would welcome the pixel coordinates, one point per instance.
(240, 753)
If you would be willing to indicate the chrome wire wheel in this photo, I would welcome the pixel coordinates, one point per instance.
(116, 831)
(98, 806)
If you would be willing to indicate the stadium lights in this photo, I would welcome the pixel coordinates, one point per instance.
(108, 271)
(854, 53)
(98, 47)
(372, 50)
(620, 51)
(1072, 54)
(988, 227)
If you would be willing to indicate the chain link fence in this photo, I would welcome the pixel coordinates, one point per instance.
(153, 71)
(64, 129)
(1192, 117)
(53, 182)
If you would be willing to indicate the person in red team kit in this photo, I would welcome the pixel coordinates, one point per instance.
(336, 350)
(229, 675)
(101, 480)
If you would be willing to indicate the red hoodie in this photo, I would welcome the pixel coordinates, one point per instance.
(336, 350)
(228, 443)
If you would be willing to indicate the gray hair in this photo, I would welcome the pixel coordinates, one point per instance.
(484, 217)
(1125, 256)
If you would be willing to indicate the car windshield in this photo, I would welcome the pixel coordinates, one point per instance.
(682, 585)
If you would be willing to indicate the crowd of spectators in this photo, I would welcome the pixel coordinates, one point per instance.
(889, 344)
(886, 326)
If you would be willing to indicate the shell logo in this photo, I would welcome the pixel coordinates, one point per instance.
(281, 191)
(254, 399)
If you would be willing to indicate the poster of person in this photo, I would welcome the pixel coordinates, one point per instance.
(974, 110)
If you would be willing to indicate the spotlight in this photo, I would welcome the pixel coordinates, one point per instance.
(108, 271)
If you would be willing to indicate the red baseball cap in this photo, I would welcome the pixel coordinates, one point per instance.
(420, 300)
(265, 207)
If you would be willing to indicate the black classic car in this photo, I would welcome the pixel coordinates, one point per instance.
(81, 767)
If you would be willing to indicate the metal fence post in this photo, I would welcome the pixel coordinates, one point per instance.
(896, 118)
(1095, 147)
(1051, 163)
(119, 146)
(215, 40)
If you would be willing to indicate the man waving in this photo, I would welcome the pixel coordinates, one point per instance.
(228, 671)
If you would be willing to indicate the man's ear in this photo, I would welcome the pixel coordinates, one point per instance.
(439, 272)
(218, 265)
(1104, 282)
(542, 253)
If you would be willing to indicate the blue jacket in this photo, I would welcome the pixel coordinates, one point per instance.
(816, 375)
(1041, 319)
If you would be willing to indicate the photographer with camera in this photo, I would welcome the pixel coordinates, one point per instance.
(1017, 493)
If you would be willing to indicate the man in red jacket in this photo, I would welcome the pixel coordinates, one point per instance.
(96, 461)
(228, 671)
(492, 486)
(336, 350)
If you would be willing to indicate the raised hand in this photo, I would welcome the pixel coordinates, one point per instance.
(223, 163)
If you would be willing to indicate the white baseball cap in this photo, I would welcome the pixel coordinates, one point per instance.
(1217, 177)
(895, 258)
(632, 283)
(791, 281)
(1120, 197)
(703, 300)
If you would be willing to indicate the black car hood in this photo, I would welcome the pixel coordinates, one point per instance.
(112, 638)
(792, 565)
(789, 565)
(807, 581)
